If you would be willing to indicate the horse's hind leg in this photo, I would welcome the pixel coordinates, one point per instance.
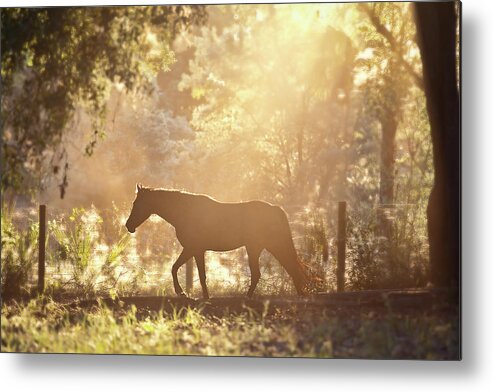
(182, 259)
(253, 262)
(199, 259)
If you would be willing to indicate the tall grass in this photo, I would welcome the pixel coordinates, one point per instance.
(86, 264)
(90, 254)
(51, 327)
(396, 259)
(19, 253)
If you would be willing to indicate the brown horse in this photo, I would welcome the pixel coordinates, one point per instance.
(203, 223)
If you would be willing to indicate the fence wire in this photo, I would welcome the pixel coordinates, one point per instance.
(144, 263)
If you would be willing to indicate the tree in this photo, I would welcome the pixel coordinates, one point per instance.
(391, 41)
(146, 142)
(436, 31)
(57, 62)
(272, 86)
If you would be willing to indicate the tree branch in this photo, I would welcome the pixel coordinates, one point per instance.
(387, 35)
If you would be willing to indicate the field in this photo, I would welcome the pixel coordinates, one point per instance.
(232, 326)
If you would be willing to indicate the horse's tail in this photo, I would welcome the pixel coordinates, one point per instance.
(282, 248)
(313, 282)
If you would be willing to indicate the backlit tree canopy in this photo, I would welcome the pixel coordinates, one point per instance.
(290, 149)
(298, 104)
(58, 61)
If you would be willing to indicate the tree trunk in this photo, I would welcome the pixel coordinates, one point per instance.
(387, 160)
(387, 176)
(436, 33)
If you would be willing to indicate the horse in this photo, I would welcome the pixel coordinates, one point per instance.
(205, 224)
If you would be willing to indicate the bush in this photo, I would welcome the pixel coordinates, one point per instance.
(89, 265)
(394, 256)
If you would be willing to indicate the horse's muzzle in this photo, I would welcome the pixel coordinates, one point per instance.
(130, 230)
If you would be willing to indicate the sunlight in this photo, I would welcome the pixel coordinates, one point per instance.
(133, 256)
(155, 219)
(122, 219)
(308, 17)
(219, 267)
(282, 152)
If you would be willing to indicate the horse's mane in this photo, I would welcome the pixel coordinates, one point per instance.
(173, 191)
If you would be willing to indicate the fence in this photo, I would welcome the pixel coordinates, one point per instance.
(189, 267)
(342, 239)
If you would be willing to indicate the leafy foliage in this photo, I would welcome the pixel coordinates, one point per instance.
(255, 109)
(300, 105)
(19, 252)
(377, 262)
(270, 104)
(82, 263)
(62, 61)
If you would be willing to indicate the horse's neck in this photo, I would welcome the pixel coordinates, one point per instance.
(168, 205)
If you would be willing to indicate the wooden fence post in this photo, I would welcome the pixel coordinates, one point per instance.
(41, 248)
(189, 273)
(341, 245)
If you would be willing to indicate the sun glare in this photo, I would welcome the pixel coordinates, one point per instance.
(288, 198)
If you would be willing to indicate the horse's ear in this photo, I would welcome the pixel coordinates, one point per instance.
(138, 187)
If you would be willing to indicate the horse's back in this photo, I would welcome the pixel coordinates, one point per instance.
(235, 216)
(222, 226)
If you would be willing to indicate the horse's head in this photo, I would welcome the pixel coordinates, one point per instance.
(141, 209)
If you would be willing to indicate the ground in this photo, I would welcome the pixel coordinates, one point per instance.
(413, 324)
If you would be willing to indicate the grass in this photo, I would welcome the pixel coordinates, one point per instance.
(87, 260)
(46, 326)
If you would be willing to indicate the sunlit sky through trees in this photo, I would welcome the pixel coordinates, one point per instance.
(320, 111)
(285, 103)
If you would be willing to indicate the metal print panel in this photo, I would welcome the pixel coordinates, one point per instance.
(271, 180)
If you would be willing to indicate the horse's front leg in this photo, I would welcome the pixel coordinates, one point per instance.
(182, 259)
